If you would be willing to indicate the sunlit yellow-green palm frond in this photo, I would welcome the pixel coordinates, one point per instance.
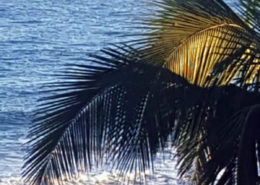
(197, 56)
(197, 39)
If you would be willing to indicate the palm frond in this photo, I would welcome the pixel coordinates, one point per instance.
(117, 107)
(203, 41)
(234, 158)
(212, 136)
(250, 11)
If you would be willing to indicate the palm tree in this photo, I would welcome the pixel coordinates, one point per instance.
(193, 76)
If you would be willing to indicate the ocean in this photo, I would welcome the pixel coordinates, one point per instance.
(36, 39)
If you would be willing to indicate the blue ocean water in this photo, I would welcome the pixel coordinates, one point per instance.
(38, 37)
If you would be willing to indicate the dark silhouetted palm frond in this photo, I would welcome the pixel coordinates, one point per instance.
(117, 107)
